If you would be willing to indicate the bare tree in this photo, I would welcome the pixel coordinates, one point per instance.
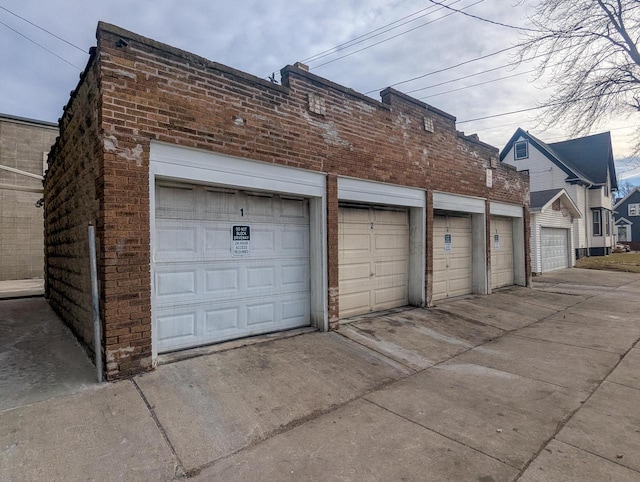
(590, 59)
(624, 188)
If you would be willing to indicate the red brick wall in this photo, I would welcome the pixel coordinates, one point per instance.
(151, 91)
(72, 190)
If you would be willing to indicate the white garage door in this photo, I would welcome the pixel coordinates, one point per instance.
(501, 252)
(452, 256)
(373, 259)
(228, 264)
(554, 245)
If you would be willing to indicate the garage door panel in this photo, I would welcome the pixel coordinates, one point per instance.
(390, 242)
(175, 201)
(391, 267)
(353, 244)
(175, 242)
(389, 296)
(202, 294)
(220, 320)
(221, 281)
(352, 303)
(176, 283)
(354, 271)
(181, 326)
(373, 258)
(390, 217)
(293, 208)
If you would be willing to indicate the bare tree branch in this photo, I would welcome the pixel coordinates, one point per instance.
(589, 58)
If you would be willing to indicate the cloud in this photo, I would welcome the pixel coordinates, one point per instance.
(261, 37)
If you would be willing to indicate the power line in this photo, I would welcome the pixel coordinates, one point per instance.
(39, 45)
(449, 68)
(448, 7)
(361, 38)
(393, 36)
(544, 106)
(477, 85)
(43, 29)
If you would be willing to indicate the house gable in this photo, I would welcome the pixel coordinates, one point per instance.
(626, 212)
(546, 171)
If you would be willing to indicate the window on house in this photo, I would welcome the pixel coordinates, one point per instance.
(624, 233)
(521, 150)
(634, 209)
(597, 222)
(607, 223)
(606, 189)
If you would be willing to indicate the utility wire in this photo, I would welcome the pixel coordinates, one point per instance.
(497, 52)
(41, 46)
(448, 7)
(361, 38)
(544, 106)
(478, 84)
(43, 29)
(393, 36)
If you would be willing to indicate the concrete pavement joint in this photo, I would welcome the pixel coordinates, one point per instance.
(384, 356)
(564, 422)
(623, 385)
(288, 427)
(533, 338)
(180, 470)
(437, 433)
(593, 453)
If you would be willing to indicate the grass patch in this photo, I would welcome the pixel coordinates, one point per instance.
(628, 262)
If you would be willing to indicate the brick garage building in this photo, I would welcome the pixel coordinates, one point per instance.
(24, 146)
(228, 206)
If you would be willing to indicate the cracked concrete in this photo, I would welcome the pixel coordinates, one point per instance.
(524, 385)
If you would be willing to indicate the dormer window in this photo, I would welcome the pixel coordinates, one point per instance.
(521, 150)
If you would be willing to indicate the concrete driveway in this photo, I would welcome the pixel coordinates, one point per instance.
(529, 385)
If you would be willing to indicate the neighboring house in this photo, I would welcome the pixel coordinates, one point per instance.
(627, 219)
(584, 168)
(228, 206)
(552, 222)
(24, 146)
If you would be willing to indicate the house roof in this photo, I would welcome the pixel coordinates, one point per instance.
(542, 200)
(631, 193)
(593, 155)
(584, 160)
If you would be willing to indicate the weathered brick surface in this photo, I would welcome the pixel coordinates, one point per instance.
(152, 92)
(22, 145)
(72, 201)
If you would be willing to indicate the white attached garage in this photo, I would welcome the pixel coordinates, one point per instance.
(459, 246)
(381, 246)
(237, 248)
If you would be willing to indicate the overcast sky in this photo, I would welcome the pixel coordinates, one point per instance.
(260, 37)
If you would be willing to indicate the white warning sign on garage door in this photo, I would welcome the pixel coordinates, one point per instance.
(241, 241)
